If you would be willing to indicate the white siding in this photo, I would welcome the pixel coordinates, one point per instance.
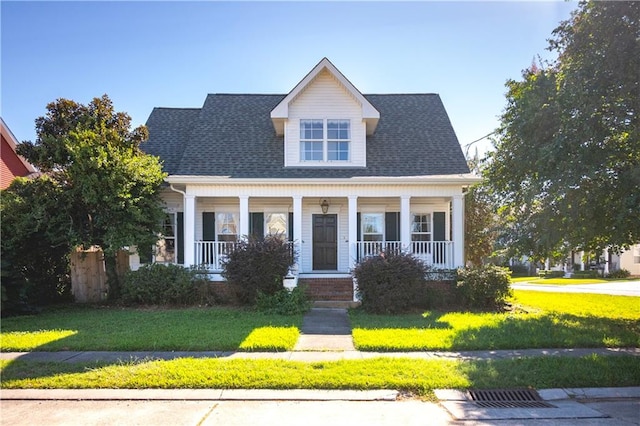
(325, 98)
(627, 260)
(173, 201)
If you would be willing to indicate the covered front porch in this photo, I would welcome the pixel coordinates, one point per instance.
(330, 229)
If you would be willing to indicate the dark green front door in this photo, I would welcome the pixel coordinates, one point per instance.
(325, 242)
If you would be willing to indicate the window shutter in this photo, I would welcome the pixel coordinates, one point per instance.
(180, 237)
(256, 225)
(359, 222)
(145, 253)
(439, 226)
(208, 226)
(439, 253)
(290, 226)
(392, 226)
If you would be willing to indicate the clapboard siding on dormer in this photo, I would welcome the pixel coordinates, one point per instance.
(325, 98)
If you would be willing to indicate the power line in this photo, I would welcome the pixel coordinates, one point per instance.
(467, 146)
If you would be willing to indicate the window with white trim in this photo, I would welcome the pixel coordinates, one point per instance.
(372, 226)
(166, 246)
(276, 224)
(421, 227)
(227, 224)
(636, 254)
(325, 140)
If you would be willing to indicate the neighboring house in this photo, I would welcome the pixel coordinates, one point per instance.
(341, 174)
(630, 260)
(12, 165)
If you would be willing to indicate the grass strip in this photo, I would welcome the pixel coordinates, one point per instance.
(417, 376)
(129, 329)
(559, 320)
(565, 281)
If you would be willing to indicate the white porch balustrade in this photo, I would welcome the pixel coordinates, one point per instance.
(437, 254)
(210, 254)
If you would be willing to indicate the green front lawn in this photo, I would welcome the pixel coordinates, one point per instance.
(565, 281)
(543, 320)
(116, 329)
(418, 376)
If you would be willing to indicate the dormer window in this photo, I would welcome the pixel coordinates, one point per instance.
(325, 140)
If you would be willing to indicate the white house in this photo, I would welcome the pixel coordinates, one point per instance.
(343, 175)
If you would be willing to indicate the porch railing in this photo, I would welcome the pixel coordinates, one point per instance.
(374, 248)
(438, 254)
(209, 255)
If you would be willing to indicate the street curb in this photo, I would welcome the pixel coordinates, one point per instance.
(197, 395)
(556, 394)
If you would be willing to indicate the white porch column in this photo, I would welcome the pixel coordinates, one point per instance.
(606, 261)
(297, 228)
(353, 230)
(189, 229)
(405, 222)
(582, 260)
(458, 230)
(353, 238)
(244, 216)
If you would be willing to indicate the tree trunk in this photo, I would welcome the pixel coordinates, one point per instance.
(113, 280)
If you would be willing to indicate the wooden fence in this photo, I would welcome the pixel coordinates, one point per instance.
(88, 274)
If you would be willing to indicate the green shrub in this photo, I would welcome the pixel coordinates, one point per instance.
(585, 274)
(519, 270)
(159, 284)
(484, 287)
(547, 273)
(620, 273)
(258, 266)
(284, 302)
(391, 283)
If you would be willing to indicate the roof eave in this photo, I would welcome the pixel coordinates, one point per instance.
(459, 179)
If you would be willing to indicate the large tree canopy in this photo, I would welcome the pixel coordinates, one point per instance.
(566, 165)
(108, 187)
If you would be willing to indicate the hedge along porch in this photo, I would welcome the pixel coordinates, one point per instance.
(343, 175)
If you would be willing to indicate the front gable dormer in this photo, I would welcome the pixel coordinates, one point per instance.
(325, 121)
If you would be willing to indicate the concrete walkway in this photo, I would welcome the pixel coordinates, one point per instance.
(325, 329)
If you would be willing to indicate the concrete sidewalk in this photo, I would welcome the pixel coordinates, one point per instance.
(191, 407)
(308, 356)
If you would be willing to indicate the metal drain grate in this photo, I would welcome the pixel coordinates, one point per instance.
(507, 398)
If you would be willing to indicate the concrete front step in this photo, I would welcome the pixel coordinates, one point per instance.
(335, 304)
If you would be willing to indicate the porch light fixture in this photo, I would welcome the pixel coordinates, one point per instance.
(324, 205)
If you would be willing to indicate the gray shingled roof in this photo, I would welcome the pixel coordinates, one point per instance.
(232, 135)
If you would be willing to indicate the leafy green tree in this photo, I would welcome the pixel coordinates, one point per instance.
(35, 245)
(566, 167)
(108, 185)
(480, 220)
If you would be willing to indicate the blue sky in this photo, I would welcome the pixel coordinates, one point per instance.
(171, 54)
